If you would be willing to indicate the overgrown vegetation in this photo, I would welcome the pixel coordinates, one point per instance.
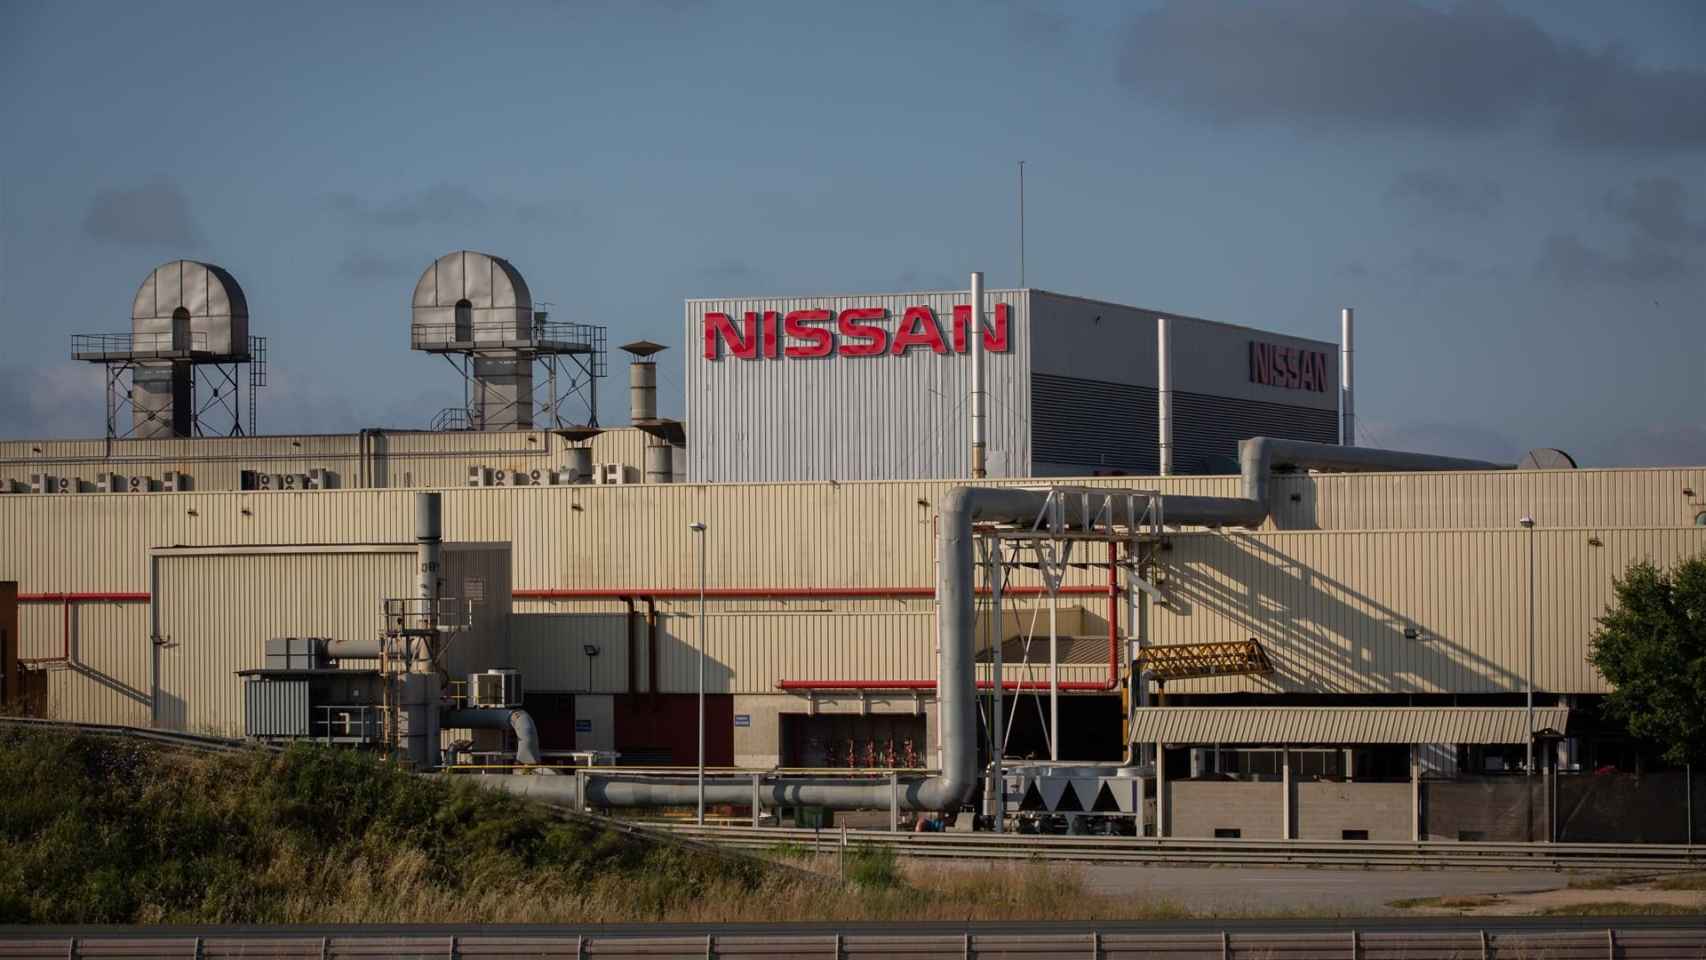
(1683, 881)
(101, 830)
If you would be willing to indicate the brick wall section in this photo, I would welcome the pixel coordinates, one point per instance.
(1195, 808)
(1324, 810)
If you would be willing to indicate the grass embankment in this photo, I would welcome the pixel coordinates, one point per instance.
(101, 830)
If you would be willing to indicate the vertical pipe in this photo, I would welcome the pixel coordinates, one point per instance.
(1528, 769)
(1053, 676)
(1164, 387)
(1021, 224)
(429, 540)
(978, 437)
(1347, 399)
(997, 576)
(1160, 789)
(1415, 793)
(633, 647)
(699, 816)
(1285, 793)
(652, 650)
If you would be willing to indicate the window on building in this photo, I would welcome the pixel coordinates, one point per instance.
(1699, 521)
(1346, 834)
(1225, 833)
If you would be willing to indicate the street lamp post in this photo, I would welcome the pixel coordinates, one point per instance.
(1528, 766)
(698, 527)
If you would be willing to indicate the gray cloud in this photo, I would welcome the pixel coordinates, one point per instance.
(1447, 439)
(440, 205)
(1401, 65)
(1438, 191)
(731, 271)
(156, 213)
(58, 401)
(362, 266)
(1567, 260)
(1434, 266)
(1650, 447)
(444, 204)
(1661, 244)
(1657, 209)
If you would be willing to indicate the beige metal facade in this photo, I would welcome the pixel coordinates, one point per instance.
(1330, 585)
(216, 606)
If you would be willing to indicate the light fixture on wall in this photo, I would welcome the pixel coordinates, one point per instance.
(591, 649)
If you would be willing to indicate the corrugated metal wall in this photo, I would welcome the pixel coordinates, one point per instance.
(855, 418)
(1330, 604)
(1080, 424)
(395, 459)
(1207, 429)
(216, 611)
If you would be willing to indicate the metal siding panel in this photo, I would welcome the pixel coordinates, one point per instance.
(854, 418)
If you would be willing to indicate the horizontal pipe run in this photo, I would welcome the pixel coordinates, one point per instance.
(67, 599)
(1024, 686)
(777, 593)
(89, 597)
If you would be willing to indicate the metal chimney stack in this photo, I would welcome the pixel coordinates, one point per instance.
(979, 436)
(1347, 400)
(643, 411)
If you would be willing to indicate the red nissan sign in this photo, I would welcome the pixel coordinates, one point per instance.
(1290, 367)
(853, 333)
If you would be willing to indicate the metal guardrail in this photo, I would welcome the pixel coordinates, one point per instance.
(1344, 853)
(188, 741)
(1350, 944)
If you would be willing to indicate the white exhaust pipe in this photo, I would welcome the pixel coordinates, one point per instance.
(1347, 400)
(978, 436)
(1164, 382)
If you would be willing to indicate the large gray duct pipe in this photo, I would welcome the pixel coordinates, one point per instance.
(957, 629)
(499, 718)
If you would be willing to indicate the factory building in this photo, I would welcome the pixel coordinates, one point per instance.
(1360, 618)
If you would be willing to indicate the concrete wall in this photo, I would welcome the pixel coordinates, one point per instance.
(1323, 810)
(1196, 808)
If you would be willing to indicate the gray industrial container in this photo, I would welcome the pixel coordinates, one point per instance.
(296, 653)
(275, 708)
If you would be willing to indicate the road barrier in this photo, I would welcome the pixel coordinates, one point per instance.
(1227, 944)
(1103, 849)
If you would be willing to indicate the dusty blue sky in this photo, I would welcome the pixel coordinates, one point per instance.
(1512, 195)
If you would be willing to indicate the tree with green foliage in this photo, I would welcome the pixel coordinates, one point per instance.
(1651, 647)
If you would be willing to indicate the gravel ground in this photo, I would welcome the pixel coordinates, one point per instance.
(1263, 889)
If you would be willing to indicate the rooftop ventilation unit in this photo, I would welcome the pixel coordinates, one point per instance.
(189, 337)
(476, 311)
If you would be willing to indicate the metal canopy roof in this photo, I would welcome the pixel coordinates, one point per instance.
(1302, 725)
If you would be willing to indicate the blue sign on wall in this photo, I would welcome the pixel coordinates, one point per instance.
(583, 726)
(743, 719)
